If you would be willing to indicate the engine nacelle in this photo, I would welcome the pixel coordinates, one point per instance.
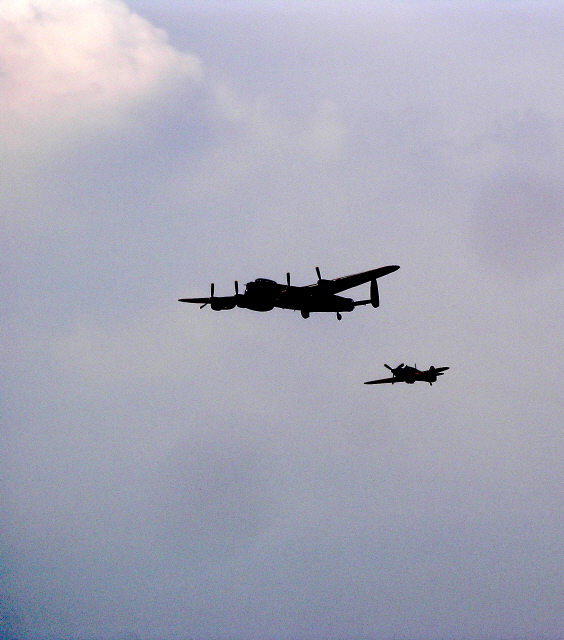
(222, 303)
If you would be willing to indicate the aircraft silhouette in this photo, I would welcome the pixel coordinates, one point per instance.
(263, 294)
(410, 375)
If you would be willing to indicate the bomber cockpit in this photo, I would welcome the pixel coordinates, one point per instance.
(260, 284)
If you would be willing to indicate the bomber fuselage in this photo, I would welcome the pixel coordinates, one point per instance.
(263, 295)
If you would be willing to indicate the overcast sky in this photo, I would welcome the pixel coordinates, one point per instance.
(170, 473)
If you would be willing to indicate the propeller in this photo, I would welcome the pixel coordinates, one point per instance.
(394, 371)
(288, 278)
(236, 288)
(211, 296)
(320, 281)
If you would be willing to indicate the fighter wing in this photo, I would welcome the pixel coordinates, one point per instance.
(382, 381)
(348, 282)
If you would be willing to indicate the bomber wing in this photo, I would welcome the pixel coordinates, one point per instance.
(196, 300)
(217, 303)
(348, 282)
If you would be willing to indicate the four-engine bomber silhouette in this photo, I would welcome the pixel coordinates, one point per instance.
(410, 375)
(263, 294)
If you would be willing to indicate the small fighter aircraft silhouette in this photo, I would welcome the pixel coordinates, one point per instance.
(407, 374)
(263, 294)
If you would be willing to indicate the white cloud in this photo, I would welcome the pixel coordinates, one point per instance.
(78, 62)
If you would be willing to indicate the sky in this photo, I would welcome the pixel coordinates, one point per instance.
(170, 473)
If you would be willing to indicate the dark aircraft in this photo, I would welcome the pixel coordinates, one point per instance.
(263, 294)
(410, 375)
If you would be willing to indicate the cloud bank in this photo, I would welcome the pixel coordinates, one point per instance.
(174, 473)
(69, 64)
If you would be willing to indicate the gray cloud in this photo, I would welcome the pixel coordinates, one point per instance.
(519, 222)
(212, 499)
(532, 136)
(172, 473)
